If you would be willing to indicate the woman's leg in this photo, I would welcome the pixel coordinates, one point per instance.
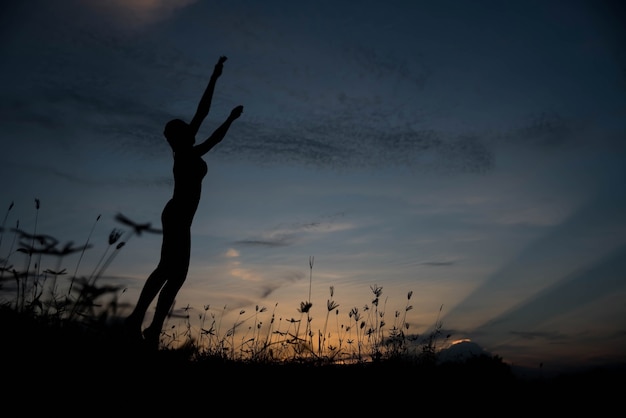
(178, 266)
(151, 288)
(158, 277)
(164, 304)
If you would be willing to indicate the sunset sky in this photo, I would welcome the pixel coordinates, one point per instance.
(472, 152)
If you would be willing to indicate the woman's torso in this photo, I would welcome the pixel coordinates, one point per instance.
(189, 170)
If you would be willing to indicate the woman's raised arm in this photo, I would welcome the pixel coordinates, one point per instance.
(205, 102)
(219, 134)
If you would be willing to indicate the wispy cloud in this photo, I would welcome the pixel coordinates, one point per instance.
(289, 234)
(272, 242)
(334, 143)
(548, 336)
(139, 12)
(437, 263)
(232, 253)
(118, 94)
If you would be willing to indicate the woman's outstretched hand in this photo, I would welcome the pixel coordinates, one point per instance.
(219, 66)
(236, 112)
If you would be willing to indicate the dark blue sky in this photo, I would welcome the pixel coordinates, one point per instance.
(470, 152)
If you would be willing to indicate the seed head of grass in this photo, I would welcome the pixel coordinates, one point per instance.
(114, 236)
(305, 307)
(331, 304)
(377, 290)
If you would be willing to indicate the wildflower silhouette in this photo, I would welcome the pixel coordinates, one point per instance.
(137, 228)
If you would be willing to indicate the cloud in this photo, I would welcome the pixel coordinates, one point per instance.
(572, 292)
(339, 144)
(288, 234)
(437, 263)
(270, 286)
(548, 130)
(136, 13)
(110, 83)
(263, 285)
(232, 253)
(537, 335)
(461, 351)
(382, 66)
(245, 274)
(577, 263)
(275, 242)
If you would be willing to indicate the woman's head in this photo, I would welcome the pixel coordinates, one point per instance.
(177, 133)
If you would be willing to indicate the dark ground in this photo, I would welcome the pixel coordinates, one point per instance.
(72, 369)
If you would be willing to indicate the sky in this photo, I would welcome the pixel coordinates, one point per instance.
(472, 153)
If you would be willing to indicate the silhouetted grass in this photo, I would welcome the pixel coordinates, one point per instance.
(49, 295)
(67, 329)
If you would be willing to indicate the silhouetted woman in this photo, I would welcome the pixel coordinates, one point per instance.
(177, 216)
